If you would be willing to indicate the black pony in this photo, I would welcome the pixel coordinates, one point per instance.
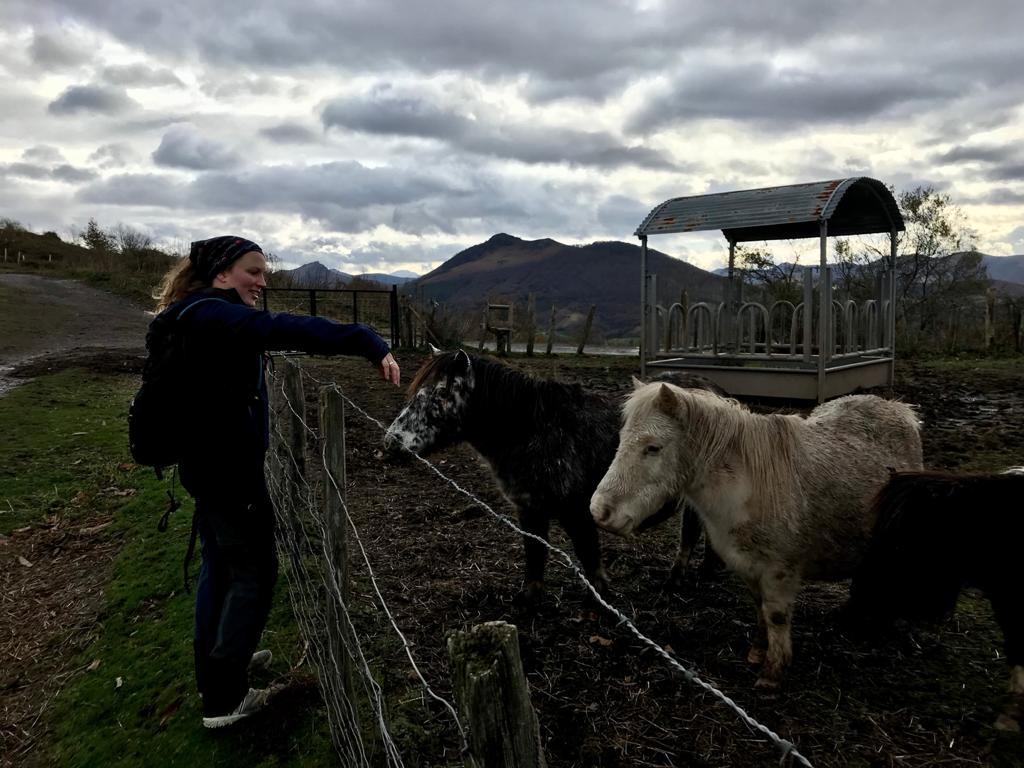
(936, 533)
(548, 444)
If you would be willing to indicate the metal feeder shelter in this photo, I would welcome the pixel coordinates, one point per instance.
(823, 347)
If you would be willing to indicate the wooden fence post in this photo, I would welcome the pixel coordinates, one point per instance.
(990, 313)
(586, 329)
(289, 446)
(551, 330)
(493, 698)
(531, 325)
(332, 435)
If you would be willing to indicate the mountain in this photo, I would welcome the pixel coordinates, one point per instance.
(398, 278)
(606, 274)
(1009, 269)
(316, 275)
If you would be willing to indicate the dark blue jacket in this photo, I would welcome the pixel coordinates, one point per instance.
(224, 343)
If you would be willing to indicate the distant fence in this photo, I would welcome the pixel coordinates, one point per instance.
(375, 307)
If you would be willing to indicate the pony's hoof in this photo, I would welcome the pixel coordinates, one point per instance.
(756, 655)
(675, 582)
(530, 595)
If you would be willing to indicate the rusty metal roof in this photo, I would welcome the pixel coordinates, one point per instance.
(854, 206)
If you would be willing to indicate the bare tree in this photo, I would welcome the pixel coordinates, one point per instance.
(778, 280)
(132, 244)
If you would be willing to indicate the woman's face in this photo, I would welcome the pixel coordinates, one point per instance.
(247, 275)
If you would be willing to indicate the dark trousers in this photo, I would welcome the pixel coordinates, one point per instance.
(235, 520)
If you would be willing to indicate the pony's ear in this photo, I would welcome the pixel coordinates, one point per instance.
(637, 383)
(667, 402)
(462, 362)
(434, 350)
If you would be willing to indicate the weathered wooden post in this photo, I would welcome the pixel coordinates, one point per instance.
(586, 329)
(289, 446)
(990, 330)
(493, 698)
(332, 435)
(531, 324)
(408, 328)
(551, 330)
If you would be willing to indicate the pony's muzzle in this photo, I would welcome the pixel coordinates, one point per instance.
(603, 513)
(395, 451)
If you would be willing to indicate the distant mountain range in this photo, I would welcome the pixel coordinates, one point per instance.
(570, 278)
(316, 275)
(1002, 269)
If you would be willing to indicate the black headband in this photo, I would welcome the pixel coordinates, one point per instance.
(213, 256)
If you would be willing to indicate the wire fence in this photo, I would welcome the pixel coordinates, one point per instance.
(316, 581)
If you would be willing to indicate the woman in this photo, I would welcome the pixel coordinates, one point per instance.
(211, 298)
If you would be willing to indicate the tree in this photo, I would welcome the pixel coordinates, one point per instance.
(97, 240)
(761, 269)
(132, 244)
(938, 271)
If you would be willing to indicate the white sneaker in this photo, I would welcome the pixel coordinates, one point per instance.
(260, 660)
(253, 702)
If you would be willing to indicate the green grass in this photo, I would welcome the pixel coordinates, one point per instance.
(66, 454)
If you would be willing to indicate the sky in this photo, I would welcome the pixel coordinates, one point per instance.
(388, 135)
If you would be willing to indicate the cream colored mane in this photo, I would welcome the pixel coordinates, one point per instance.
(721, 431)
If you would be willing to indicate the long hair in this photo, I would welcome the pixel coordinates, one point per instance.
(934, 533)
(179, 282)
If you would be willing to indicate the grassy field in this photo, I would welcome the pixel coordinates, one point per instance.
(132, 701)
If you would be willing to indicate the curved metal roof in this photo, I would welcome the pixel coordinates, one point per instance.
(854, 206)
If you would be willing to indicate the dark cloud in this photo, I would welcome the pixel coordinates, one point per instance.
(26, 170)
(72, 175)
(383, 111)
(51, 52)
(290, 133)
(91, 98)
(999, 196)
(112, 155)
(1006, 172)
(63, 172)
(140, 76)
(42, 153)
(755, 94)
(978, 154)
(184, 147)
(622, 215)
(137, 189)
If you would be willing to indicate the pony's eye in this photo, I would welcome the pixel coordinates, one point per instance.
(651, 450)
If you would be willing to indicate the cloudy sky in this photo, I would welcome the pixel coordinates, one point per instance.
(388, 135)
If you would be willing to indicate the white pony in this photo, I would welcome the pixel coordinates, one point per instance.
(783, 498)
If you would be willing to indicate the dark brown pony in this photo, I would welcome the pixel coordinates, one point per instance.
(937, 533)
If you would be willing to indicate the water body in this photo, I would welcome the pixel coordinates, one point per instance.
(560, 349)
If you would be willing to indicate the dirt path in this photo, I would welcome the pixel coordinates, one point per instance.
(42, 317)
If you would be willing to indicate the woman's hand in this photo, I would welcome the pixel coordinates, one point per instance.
(389, 369)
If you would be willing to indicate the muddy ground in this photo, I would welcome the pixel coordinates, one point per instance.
(923, 695)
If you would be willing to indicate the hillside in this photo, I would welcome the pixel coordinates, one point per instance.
(605, 274)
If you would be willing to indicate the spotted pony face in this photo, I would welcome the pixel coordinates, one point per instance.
(434, 415)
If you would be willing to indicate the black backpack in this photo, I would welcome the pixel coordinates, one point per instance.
(160, 408)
